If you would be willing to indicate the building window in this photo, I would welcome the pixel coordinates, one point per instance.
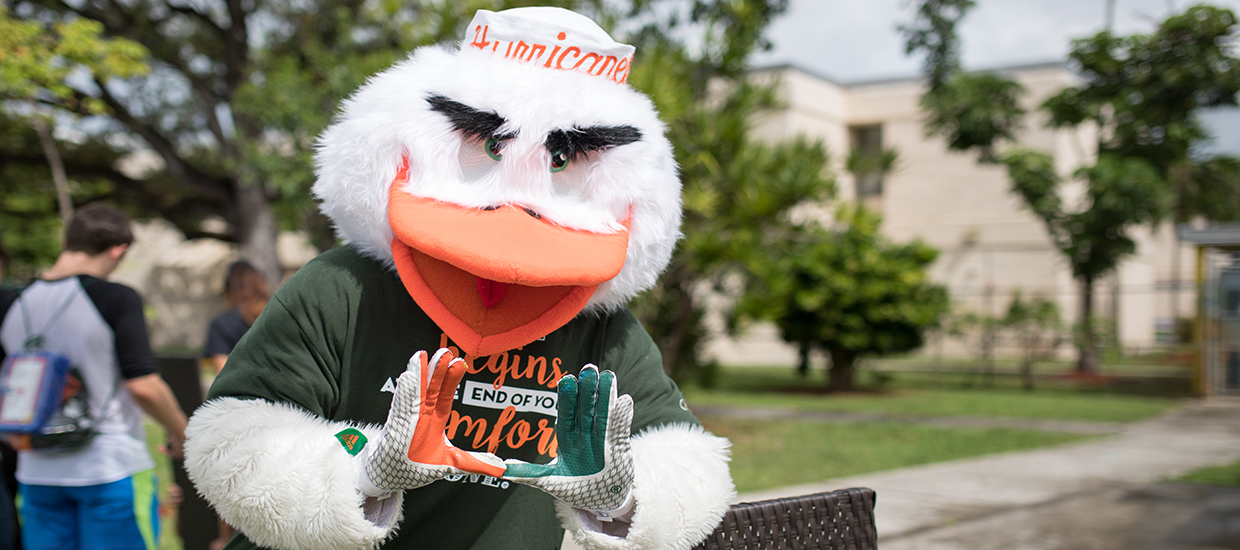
(867, 161)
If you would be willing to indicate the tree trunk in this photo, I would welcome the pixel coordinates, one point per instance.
(680, 288)
(803, 349)
(1175, 285)
(1087, 359)
(841, 373)
(58, 169)
(1026, 372)
(256, 231)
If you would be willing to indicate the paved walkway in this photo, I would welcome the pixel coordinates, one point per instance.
(1104, 494)
(1100, 494)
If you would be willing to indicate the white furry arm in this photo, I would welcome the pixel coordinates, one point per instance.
(279, 475)
(682, 489)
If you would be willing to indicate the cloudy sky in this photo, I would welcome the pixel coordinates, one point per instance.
(856, 40)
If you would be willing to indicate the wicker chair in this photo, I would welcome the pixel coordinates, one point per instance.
(838, 520)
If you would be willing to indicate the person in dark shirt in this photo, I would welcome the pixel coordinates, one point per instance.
(247, 293)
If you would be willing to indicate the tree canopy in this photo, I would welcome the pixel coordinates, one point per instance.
(236, 94)
(849, 292)
(1142, 93)
(36, 63)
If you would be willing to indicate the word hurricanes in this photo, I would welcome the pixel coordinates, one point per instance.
(556, 56)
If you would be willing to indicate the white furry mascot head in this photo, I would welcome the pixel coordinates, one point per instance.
(513, 182)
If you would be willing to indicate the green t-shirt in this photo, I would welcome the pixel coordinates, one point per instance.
(336, 336)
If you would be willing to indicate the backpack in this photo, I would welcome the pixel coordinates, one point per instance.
(44, 403)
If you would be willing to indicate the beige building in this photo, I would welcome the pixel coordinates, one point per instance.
(990, 246)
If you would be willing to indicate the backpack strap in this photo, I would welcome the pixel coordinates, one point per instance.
(35, 341)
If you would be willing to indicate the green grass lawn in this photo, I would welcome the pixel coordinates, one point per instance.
(768, 454)
(1228, 475)
(775, 454)
(909, 395)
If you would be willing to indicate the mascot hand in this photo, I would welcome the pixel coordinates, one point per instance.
(594, 469)
(413, 450)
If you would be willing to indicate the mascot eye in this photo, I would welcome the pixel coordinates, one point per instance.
(559, 161)
(493, 147)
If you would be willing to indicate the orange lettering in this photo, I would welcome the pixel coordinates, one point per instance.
(551, 57)
(493, 439)
(521, 430)
(555, 373)
(530, 363)
(609, 61)
(480, 30)
(583, 59)
(514, 435)
(622, 70)
(478, 427)
(559, 64)
(546, 439)
(541, 50)
(522, 48)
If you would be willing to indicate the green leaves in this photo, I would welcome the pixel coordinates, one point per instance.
(974, 111)
(1145, 89)
(848, 290)
(36, 60)
(934, 31)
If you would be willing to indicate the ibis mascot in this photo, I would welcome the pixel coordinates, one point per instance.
(463, 373)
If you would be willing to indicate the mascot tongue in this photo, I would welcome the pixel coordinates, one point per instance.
(499, 279)
(491, 292)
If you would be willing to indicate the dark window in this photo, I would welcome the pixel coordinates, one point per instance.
(867, 159)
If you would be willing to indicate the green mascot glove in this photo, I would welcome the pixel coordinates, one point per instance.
(594, 467)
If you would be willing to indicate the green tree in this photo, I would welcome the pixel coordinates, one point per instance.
(35, 62)
(848, 292)
(980, 334)
(738, 191)
(1142, 94)
(1037, 328)
(29, 223)
(236, 95)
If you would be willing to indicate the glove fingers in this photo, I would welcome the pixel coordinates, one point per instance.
(453, 374)
(587, 396)
(620, 423)
(406, 399)
(566, 405)
(435, 371)
(605, 401)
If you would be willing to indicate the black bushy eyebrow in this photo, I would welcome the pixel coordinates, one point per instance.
(579, 141)
(468, 120)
